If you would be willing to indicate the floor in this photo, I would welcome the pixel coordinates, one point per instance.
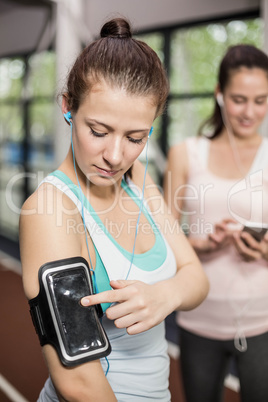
(22, 369)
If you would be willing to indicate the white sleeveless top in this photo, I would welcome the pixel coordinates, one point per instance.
(139, 364)
(237, 303)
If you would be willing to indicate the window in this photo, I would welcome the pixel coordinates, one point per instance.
(195, 56)
(26, 127)
(191, 55)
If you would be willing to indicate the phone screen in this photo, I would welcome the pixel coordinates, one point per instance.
(79, 326)
(256, 232)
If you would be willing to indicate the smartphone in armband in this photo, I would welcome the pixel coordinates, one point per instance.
(256, 230)
(59, 318)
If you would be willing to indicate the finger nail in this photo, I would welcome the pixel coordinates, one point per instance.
(85, 302)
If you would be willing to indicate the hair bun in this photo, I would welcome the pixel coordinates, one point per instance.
(116, 28)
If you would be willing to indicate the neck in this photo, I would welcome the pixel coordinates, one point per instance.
(240, 141)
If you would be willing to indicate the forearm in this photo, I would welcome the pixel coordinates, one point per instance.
(83, 383)
(81, 392)
(187, 289)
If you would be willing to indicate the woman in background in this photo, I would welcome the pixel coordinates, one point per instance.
(218, 182)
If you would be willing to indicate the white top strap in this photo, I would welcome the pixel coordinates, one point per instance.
(203, 150)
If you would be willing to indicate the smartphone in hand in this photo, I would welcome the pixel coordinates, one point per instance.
(255, 229)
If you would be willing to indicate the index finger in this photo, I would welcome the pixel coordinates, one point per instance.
(108, 296)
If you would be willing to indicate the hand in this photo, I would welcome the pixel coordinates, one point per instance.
(139, 306)
(253, 250)
(222, 236)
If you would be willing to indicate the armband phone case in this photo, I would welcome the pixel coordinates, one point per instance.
(59, 318)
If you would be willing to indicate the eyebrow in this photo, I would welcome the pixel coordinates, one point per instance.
(245, 97)
(109, 128)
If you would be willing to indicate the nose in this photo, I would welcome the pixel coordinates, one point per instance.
(249, 110)
(113, 152)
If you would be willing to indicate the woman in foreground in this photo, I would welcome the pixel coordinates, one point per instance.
(142, 269)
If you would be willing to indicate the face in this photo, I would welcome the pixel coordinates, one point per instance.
(110, 130)
(245, 100)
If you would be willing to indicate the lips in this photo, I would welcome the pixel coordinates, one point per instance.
(246, 123)
(106, 172)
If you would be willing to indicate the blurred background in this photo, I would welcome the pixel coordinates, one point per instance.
(39, 40)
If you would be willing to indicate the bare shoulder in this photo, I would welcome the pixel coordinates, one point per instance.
(48, 231)
(177, 157)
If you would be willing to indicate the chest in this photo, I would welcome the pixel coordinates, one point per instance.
(211, 198)
(125, 223)
(230, 163)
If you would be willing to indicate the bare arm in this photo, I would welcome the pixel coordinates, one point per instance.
(190, 285)
(47, 233)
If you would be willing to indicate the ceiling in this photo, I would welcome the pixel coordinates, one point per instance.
(25, 25)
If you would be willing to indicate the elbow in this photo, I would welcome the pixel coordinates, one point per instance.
(84, 390)
(201, 291)
(73, 392)
(205, 288)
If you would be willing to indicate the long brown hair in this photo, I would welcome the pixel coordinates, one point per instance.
(236, 57)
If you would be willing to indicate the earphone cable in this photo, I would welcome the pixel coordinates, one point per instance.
(82, 212)
(232, 142)
(140, 210)
(85, 229)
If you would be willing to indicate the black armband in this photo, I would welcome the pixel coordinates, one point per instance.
(59, 318)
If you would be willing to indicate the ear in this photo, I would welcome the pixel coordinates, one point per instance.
(217, 91)
(65, 104)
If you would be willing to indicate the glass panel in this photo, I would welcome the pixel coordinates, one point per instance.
(41, 132)
(196, 52)
(42, 121)
(11, 199)
(9, 217)
(186, 116)
(41, 157)
(42, 74)
(11, 127)
(11, 153)
(155, 41)
(11, 77)
(11, 135)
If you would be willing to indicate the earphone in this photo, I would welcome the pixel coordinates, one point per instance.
(220, 100)
(68, 117)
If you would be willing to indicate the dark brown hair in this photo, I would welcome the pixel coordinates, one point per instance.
(236, 57)
(122, 62)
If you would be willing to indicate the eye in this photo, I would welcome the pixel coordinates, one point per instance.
(238, 100)
(261, 101)
(96, 134)
(135, 140)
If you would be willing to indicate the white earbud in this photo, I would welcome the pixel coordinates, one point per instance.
(220, 100)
